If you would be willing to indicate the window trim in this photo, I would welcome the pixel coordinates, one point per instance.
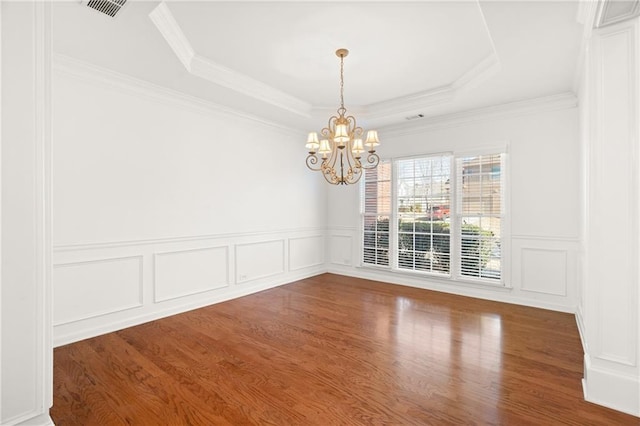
(454, 275)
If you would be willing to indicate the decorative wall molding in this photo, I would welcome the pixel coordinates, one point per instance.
(209, 70)
(544, 280)
(613, 11)
(196, 272)
(342, 243)
(574, 240)
(165, 22)
(184, 239)
(532, 106)
(211, 273)
(113, 80)
(259, 260)
(341, 249)
(614, 151)
(611, 389)
(118, 287)
(43, 118)
(303, 255)
(425, 99)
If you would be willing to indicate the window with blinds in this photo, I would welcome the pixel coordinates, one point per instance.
(376, 214)
(440, 214)
(422, 211)
(480, 210)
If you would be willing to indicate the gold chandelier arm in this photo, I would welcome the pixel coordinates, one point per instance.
(372, 161)
(312, 160)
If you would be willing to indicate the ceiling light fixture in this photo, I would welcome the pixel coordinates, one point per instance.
(340, 149)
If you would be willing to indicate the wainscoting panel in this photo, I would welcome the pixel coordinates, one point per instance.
(92, 288)
(546, 268)
(103, 287)
(259, 260)
(341, 249)
(183, 273)
(305, 252)
(549, 279)
(540, 271)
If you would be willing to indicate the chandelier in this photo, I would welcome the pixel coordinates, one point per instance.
(339, 151)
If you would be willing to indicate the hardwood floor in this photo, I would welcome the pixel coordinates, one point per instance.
(332, 350)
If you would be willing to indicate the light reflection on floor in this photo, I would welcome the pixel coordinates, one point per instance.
(436, 340)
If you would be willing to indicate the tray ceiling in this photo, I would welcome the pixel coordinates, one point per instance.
(276, 59)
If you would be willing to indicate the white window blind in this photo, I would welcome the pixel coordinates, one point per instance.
(422, 210)
(480, 211)
(376, 214)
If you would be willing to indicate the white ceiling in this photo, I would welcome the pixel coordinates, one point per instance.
(276, 59)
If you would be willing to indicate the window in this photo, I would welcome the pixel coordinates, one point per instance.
(376, 214)
(439, 214)
(422, 210)
(480, 210)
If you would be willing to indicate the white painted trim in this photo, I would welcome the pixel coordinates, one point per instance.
(574, 240)
(631, 32)
(1, 143)
(496, 293)
(169, 240)
(581, 329)
(565, 254)
(209, 70)
(172, 33)
(470, 79)
(586, 16)
(227, 282)
(214, 72)
(130, 85)
(233, 293)
(560, 101)
(611, 389)
(43, 107)
(140, 303)
(226, 77)
(484, 69)
(283, 268)
(601, 18)
(321, 237)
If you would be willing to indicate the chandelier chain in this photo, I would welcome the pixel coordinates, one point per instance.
(342, 81)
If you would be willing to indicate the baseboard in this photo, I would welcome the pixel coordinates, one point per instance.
(32, 419)
(611, 389)
(68, 334)
(486, 292)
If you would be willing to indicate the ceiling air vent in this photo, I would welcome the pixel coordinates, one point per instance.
(414, 117)
(108, 7)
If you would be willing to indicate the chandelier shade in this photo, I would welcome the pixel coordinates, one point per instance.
(337, 153)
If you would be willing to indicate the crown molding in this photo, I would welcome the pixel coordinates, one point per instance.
(165, 22)
(209, 70)
(423, 100)
(216, 73)
(95, 74)
(531, 106)
(608, 14)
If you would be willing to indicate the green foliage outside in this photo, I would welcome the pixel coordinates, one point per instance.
(424, 245)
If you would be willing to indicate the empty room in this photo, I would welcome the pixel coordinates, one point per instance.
(319, 212)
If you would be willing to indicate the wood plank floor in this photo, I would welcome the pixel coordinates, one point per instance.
(332, 350)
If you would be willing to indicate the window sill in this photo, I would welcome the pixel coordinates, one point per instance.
(440, 279)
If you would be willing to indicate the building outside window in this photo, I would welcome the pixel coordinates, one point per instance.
(441, 215)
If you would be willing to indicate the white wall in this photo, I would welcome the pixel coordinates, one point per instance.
(164, 203)
(26, 370)
(544, 179)
(610, 138)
